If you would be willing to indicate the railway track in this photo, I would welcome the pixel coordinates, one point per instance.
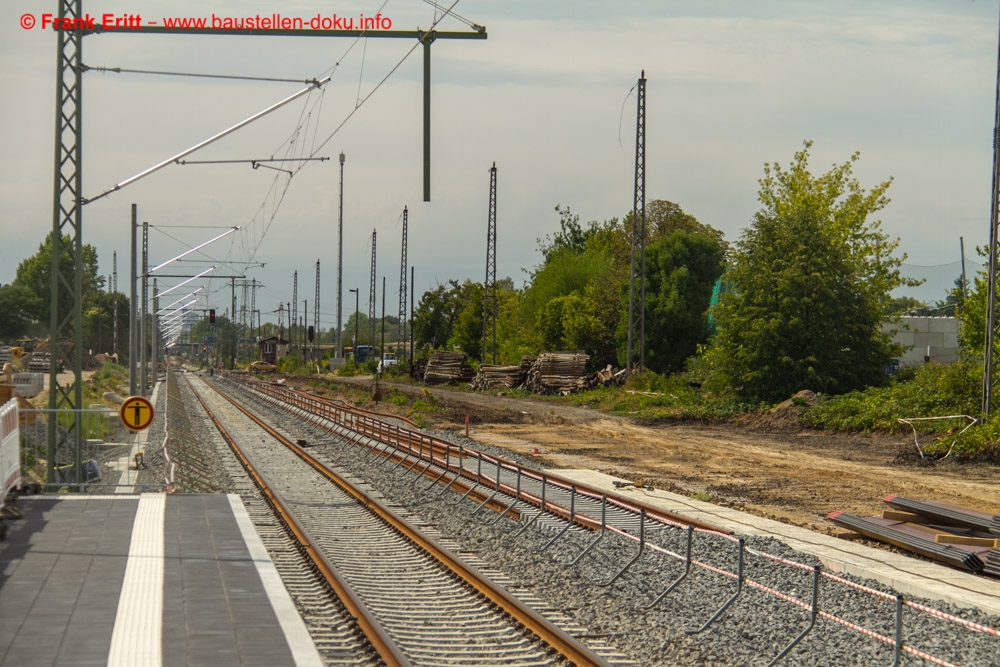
(578, 550)
(416, 603)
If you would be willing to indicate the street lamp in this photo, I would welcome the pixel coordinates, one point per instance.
(355, 348)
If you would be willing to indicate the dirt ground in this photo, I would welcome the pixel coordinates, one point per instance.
(794, 475)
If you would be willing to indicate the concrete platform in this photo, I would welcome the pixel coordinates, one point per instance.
(143, 580)
(906, 575)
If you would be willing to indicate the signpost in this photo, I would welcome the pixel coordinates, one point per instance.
(136, 413)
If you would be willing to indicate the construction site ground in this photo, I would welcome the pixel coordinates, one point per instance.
(785, 472)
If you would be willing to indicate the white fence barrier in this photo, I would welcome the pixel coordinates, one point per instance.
(10, 442)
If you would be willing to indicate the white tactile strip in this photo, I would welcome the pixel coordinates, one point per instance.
(303, 649)
(136, 639)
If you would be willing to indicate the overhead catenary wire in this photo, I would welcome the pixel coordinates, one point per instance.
(206, 142)
(316, 149)
(123, 70)
(448, 12)
(382, 81)
(255, 161)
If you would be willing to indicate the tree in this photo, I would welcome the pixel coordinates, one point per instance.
(434, 317)
(663, 218)
(681, 270)
(467, 330)
(99, 323)
(18, 310)
(571, 236)
(35, 273)
(809, 277)
(568, 323)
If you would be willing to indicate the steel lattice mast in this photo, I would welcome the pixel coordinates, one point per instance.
(490, 283)
(67, 223)
(294, 312)
(316, 302)
(635, 354)
(66, 312)
(402, 282)
(371, 298)
(989, 363)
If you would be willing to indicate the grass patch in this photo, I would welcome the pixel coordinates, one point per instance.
(658, 397)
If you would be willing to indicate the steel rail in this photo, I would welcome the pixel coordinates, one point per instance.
(558, 640)
(566, 645)
(380, 640)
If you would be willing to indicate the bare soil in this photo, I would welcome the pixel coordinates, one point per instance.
(772, 467)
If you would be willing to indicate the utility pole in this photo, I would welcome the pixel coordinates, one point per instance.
(354, 347)
(637, 279)
(156, 330)
(232, 325)
(490, 283)
(371, 298)
(961, 248)
(412, 304)
(133, 305)
(381, 352)
(143, 338)
(989, 370)
(114, 300)
(402, 284)
(305, 319)
(340, 260)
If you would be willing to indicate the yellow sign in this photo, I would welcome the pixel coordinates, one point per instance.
(136, 413)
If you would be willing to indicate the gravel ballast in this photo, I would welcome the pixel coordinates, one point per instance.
(753, 629)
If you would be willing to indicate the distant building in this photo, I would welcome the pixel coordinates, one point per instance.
(926, 339)
(272, 349)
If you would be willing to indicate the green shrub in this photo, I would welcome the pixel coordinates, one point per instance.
(349, 369)
(931, 391)
(396, 397)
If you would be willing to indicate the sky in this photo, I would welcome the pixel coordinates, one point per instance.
(731, 85)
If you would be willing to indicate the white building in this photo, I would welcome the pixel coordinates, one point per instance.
(926, 339)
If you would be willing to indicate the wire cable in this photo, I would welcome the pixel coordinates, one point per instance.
(382, 81)
(122, 70)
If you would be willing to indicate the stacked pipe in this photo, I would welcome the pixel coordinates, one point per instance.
(945, 553)
(993, 557)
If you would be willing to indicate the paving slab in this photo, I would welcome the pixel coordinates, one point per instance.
(909, 576)
(143, 580)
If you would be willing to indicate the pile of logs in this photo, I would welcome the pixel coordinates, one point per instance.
(557, 373)
(552, 373)
(608, 376)
(490, 376)
(447, 367)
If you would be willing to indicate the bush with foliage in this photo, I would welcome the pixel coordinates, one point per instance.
(808, 281)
